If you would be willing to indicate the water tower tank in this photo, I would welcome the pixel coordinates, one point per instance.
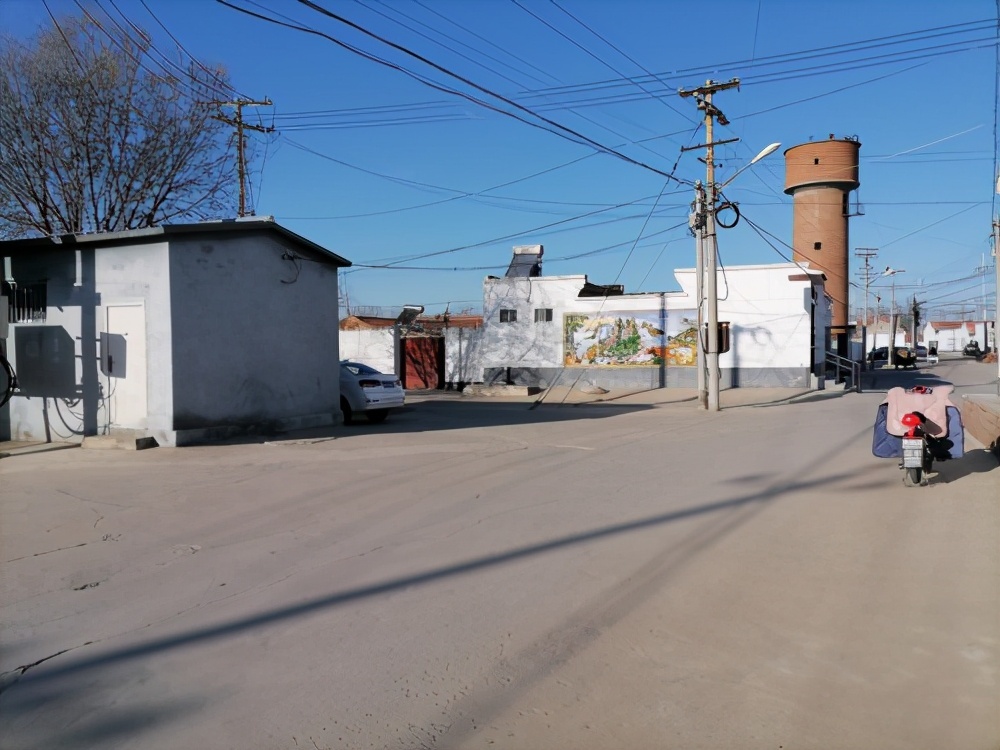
(819, 176)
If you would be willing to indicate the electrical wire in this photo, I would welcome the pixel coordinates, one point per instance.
(459, 194)
(374, 58)
(932, 224)
(462, 55)
(502, 238)
(182, 84)
(482, 39)
(718, 69)
(595, 56)
(995, 187)
(566, 132)
(746, 80)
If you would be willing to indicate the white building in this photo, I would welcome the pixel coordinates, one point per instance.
(952, 336)
(181, 333)
(549, 330)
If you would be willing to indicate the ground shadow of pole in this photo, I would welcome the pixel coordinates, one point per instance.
(310, 606)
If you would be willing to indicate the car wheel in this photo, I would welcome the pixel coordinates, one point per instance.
(377, 416)
(345, 409)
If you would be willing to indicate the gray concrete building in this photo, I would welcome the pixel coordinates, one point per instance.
(181, 333)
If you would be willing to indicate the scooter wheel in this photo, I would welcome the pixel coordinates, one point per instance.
(912, 477)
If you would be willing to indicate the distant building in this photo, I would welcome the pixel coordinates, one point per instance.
(547, 330)
(952, 336)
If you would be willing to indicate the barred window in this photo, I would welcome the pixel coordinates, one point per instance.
(508, 316)
(26, 303)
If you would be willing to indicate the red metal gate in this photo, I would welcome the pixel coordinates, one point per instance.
(423, 362)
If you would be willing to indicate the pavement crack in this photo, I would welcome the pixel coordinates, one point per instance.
(47, 552)
(7, 679)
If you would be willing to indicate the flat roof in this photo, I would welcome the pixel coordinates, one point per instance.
(167, 231)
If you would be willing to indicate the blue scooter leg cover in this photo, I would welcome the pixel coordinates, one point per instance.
(885, 445)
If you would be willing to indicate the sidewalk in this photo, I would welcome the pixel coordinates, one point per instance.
(566, 396)
(10, 448)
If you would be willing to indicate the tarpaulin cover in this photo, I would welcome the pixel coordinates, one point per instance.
(885, 445)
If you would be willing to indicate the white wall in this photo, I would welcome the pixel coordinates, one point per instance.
(770, 314)
(463, 355)
(375, 348)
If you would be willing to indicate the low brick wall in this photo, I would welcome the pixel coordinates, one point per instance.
(981, 417)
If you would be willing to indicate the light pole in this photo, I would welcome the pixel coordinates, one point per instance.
(711, 285)
(890, 271)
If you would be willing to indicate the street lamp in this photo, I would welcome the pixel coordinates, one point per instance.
(710, 271)
(890, 271)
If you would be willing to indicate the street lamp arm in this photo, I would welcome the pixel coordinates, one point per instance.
(767, 151)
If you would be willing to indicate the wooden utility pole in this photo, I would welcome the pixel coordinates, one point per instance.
(710, 338)
(240, 125)
(867, 253)
(996, 267)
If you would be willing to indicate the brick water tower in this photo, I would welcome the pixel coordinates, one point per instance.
(819, 176)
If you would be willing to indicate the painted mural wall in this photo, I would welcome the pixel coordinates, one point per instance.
(538, 330)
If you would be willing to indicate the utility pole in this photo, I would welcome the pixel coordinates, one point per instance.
(709, 335)
(996, 267)
(890, 271)
(345, 295)
(867, 253)
(240, 125)
(697, 221)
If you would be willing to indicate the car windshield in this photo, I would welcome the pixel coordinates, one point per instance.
(359, 369)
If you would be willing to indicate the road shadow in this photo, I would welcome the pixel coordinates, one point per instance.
(74, 678)
(446, 413)
(973, 462)
(883, 379)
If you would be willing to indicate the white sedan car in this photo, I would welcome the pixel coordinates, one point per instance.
(365, 390)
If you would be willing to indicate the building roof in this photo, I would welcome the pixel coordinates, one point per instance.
(250, 224)
(426, 323)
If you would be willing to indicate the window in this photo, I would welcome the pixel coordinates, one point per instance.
(508, 316)
(815, 161)
(817, 246)
(543, 314)
(25, 303)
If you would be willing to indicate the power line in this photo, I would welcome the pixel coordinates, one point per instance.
(440, 68)
(223, 84)
(877, 43)
(589, 52)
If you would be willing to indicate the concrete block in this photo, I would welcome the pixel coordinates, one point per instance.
(981, 418)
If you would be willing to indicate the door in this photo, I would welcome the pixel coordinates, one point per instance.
(423, 362)
(123, 362)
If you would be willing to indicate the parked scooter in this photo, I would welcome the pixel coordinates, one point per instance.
(918, 425)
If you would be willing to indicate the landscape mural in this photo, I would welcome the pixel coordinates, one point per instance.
(682, 339)
(619, 339)
(629, 339)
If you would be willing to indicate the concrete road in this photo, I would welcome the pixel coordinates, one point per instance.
(633, 574)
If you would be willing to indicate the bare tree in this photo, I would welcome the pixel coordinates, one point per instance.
(93, 140)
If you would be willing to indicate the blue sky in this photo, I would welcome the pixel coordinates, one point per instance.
(382, 168)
